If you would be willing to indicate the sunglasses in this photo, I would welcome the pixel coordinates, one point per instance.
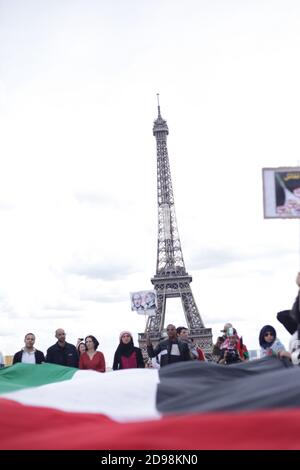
(269, 334)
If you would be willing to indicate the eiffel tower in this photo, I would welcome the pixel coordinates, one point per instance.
(171, 278)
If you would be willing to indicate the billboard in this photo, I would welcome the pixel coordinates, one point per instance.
(144, 302)
(281, 189)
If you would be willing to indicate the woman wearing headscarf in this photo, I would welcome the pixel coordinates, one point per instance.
(270, 345)
(127, 356)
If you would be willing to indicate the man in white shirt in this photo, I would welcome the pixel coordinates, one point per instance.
(29, 355)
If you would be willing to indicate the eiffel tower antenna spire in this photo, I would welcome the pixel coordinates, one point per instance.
(171, 278)
(158, 106)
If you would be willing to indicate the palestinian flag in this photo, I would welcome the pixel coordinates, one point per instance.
(190, 405)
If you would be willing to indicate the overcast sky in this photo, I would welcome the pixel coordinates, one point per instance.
(78, 209)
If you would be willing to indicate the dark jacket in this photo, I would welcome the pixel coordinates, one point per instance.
(66, 356)
(290, 318)
(139, 358)
(164, 347)
(39, 357)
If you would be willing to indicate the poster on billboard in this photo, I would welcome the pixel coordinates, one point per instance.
(281, 190)
(144, 302)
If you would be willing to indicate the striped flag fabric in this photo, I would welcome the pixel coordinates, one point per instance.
(190, 405)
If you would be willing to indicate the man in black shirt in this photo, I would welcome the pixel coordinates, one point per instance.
(62, 353)
(171, 350)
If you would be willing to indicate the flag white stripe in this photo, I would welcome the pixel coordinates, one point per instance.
(125, 395)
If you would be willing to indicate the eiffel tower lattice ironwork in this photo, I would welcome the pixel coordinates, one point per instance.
(171, 278)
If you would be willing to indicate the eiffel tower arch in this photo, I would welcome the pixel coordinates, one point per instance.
(171, 278)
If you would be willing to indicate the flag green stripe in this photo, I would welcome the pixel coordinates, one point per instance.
(22, 376)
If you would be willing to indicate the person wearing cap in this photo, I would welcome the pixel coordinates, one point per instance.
(217, 347)
(229, 351)
(221, 344)
(226, 328)
(241, 347)
(127, 356)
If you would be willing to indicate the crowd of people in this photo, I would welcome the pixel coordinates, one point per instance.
(84, 355)
(177, 346)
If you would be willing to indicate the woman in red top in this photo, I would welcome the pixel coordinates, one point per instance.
(92, 359)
